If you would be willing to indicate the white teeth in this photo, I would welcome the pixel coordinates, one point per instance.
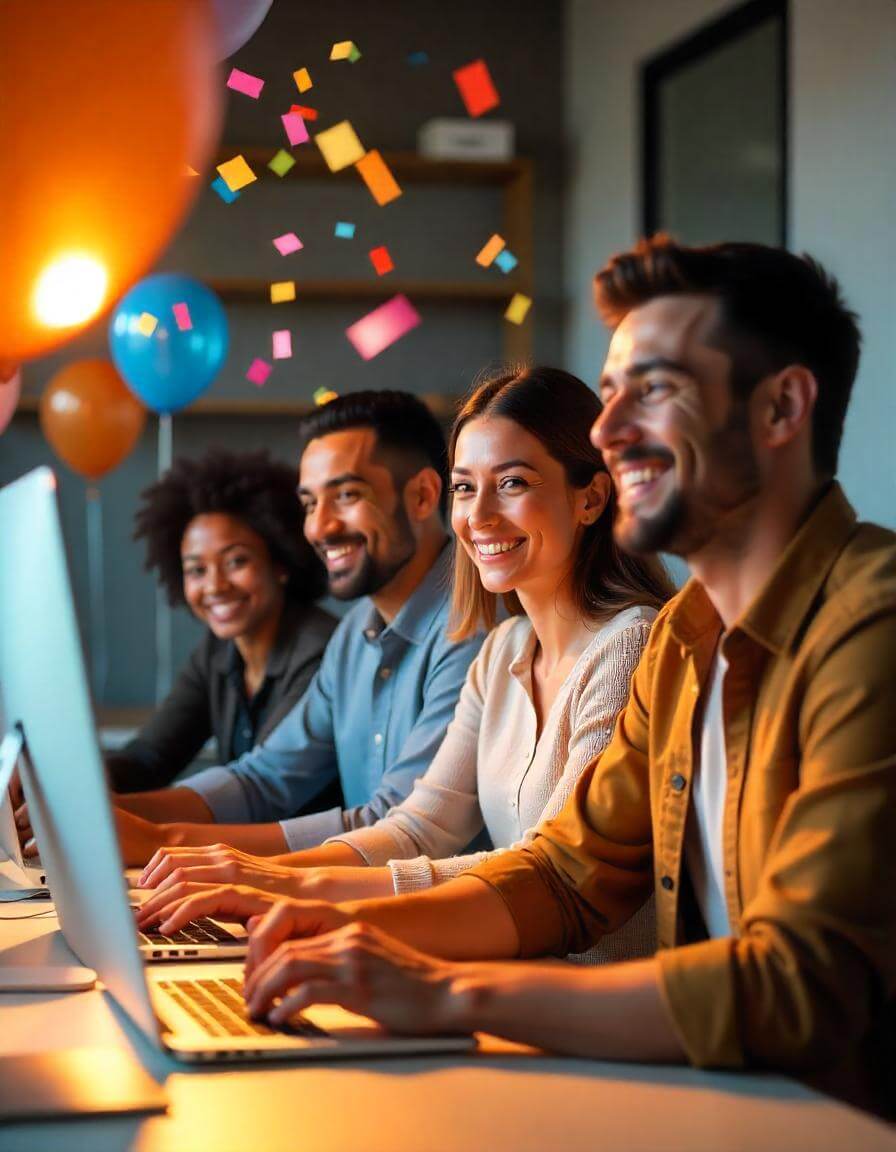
(496, 549)
(336, 553)
(638, 476)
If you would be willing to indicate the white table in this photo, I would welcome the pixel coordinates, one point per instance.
(499, 1098)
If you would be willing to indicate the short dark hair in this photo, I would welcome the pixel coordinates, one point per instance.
(408, 436)
(249, 486)
(777, 309)
(558, 409)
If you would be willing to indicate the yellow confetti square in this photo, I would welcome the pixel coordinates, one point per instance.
(339, 146)
(517, 308)
(147, 323)
(490, 250)
(236, 173)
(303, 79)
(283, 290)
(345, 50)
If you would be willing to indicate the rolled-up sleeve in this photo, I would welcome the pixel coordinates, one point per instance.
(815, 961)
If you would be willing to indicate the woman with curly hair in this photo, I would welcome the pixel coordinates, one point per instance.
(224, 535)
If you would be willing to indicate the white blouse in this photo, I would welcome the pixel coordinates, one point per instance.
(492, 772)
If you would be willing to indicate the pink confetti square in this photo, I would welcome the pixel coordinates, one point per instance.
(259, 370)
(245, 83)
(295, 129)
(282, 342)
(287, 243)
(383, 326)
(182, 317)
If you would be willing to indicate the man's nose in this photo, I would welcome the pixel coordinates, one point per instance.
(615, 427)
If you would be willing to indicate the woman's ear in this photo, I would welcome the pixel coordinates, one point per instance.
(597, 496)
(422, 494)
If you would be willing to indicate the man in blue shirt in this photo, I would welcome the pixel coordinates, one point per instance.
(374, 486)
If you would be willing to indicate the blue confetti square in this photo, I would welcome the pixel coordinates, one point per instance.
(226, 194)
(418, 59)
(506, 261)
(344, 230)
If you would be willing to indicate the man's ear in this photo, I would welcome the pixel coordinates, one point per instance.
(788, 404)
(597, 496)
(422, 494)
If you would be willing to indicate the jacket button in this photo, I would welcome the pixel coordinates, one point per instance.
(678, 782)
(668, 883)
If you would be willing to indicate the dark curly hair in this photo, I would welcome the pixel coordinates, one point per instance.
(249, 486)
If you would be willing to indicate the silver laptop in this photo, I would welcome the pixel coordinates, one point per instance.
(194, 1011)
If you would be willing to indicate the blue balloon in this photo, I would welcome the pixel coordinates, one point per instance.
(170, 368)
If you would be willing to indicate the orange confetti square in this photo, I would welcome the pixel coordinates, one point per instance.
(478, 92)
(489, 251)
(302, 78)
(376, 175)
(282, 291)
(381, 260)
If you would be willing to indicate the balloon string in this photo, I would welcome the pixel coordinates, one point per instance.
(163, 609)
(98, 650)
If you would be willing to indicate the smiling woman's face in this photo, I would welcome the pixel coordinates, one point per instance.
(230, 582)
(513, 509)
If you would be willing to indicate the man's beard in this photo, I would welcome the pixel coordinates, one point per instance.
(373, 575)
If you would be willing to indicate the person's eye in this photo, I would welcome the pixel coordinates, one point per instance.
(461, 488)
(605, 393)
(193, 572)
(238, 561)
(348, 495)
(653, 391)
(513, 484)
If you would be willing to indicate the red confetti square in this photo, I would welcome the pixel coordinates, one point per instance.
(478, 92)
(381, 260)
(305, 113)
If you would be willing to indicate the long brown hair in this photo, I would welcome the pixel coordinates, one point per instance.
(558, 409)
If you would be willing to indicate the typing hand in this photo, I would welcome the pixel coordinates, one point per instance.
(176, 906)
(356, 966)
(22, 819)
(218, 864)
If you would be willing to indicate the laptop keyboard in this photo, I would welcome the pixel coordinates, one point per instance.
(198, 931)
(219, 1008)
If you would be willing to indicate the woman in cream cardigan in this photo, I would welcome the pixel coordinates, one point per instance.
(532, 511)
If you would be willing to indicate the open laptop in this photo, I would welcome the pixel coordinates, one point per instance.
(196, 1012)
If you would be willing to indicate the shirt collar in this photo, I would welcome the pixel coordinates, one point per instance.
(776, 615)
(414, 619)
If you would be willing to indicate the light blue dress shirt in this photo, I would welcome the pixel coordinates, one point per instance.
(375, 712)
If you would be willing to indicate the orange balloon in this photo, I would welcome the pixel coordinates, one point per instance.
(90, 417)
(104, 104)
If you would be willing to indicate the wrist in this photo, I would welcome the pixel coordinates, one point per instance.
(465, 999)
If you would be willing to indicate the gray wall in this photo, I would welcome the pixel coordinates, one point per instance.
(432, 233)
(842, 180)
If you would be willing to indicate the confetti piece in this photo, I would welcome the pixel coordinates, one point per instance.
(476, 89)
(259, 370)
(282, 344)
(418, 59)
(344, 230)
(305, 113)
(506, 261)
(376, 175)
(381, 260)
(339, 146)
(324, 396)
(191, 171)
(245, 83)
(283, 290)
(517, 308)
(345, 50)
(182, 317)
(295, 129)
(281, 163)
(489, 251)
(224, 192)
(383, 326)
(236, 173)
(147, 323)
(303, 79)
(287, 243)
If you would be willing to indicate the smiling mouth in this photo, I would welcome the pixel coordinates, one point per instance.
(497, 548)
(225, 611)
(340, 557)
(636, 483)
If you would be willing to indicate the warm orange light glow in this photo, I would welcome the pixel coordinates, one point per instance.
(70, 291)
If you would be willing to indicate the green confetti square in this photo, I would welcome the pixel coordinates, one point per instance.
(282, 162)
(354, 55)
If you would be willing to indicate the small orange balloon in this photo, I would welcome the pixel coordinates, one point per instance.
(90, 418)
(105, 103)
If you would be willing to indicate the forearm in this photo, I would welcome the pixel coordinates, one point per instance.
(465, 919)
(259, 839)
(167, 805)
(614, 1012)
(336, 855)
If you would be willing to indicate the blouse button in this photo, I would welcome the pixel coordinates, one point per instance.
(668, 883)
(678, 782)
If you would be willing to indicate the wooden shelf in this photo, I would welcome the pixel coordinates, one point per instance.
(407, 166)
(243, 289)
(440, 404)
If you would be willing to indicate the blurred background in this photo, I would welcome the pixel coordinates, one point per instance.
(773, 120)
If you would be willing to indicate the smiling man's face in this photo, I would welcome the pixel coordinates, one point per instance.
(677, 442)
(355, 517)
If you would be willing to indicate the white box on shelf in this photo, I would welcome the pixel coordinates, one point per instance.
(460, 139)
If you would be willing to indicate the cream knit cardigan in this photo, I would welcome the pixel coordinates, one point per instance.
(491, 772)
